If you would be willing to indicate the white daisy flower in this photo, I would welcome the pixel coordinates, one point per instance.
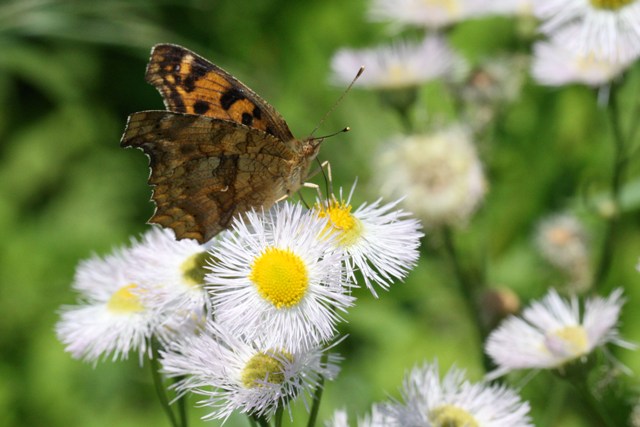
(379, 240)
(454, 401)
(609, 29)
(423, 13)
(174, 280)
(439, 175)
(248, 377)
(377, 418)
(554, 331)
(111, 318)
(501, 7)
(279, 278)
(400, 65)
(554, 64)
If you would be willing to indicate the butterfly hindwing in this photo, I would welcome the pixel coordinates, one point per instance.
(191, 84)
(205, 171)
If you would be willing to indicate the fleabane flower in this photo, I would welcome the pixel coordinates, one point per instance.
(279, 278)
(554, 331)
(432, 14)
(554, 64)
(453, 401)
(608, 29)
(233, 374)
(174, 284)
(377, 418)
(396, 66)
(439, 176)
(380, 241)
(111, 318)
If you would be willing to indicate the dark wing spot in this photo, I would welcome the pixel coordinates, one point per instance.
(257, 113)
(247, 119)
(189, 83)
(200, 107)
(230, 97)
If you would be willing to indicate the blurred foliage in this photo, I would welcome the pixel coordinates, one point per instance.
(70, 73)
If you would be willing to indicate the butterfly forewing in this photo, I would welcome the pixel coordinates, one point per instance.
(191, 84)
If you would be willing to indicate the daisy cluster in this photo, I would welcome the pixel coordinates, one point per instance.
(245, 320)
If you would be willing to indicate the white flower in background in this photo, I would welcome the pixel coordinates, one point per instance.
(609, 29)
(279, 278)
(378, 240)
(554, 331)
(174, 280)
(377, 418)
(439, 175)
(248, 377)
(110, 318)
(423, 13)
(502, 7)
(563, 242)
(398, 65)
(429, 400)
(554, 64)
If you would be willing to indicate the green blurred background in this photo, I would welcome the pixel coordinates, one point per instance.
(71, 72)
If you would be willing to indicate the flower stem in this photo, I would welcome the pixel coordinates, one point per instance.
(468, 290)
(620, 161)
(182, 408)
(160, 389)
(261, 421)
(600, 416)
(317, 396)
(278, 416)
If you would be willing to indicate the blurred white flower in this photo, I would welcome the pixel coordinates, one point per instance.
(554, 64)
(111, 318)
(608, 29)
(248, 377)
(278, 278)
(398, 65)
(424, 13)
(379, 241)
(439, 175)
(429, 400)
(502, 7)
(554, 331)
(377, 418)
(563, 242)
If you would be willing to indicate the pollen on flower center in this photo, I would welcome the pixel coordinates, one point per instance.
(451, 416)
(611, 4)
(280, 277)
(347, 226)
(263, 367)
(124, 300)
(570, 341)
(192, 268)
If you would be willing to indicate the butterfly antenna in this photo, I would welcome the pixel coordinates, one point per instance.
(358, 74)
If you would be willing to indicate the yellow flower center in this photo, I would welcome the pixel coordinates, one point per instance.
(342, 222)
(570, 341)
(264, 367)
(611, 4)
(193, 270)
(124, 300)
(451, 6)
(280, 277)
(451, 416)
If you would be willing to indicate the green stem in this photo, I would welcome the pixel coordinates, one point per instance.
(157, 382)
(252, 422)
(619, 164)
(467, 289)
(278, 416)
(317, 396)
(599, 415)
(261, 421)
(182, 408)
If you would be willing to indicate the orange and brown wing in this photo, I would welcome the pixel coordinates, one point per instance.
(191, 84)
(206, 171)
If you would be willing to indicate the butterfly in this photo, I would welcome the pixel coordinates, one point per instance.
(219, 151)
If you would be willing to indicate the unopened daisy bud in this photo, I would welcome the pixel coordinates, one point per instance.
(397, 66)
(496, 304)
(279, 278)
(111, 319)
(439, 176)
(245, 376)
(553, 332)
(554, 64)
(609, 29)
(453, 401)
(378, 240)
